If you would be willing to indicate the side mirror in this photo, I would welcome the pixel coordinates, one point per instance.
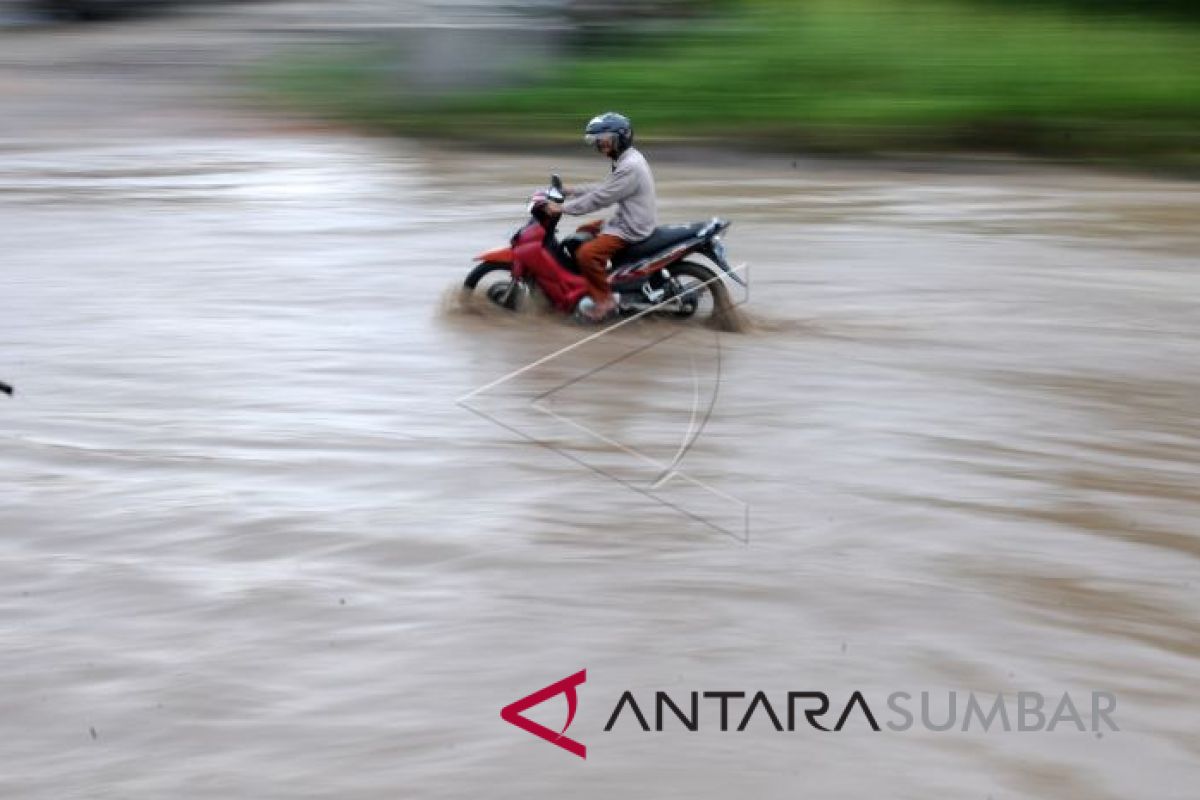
(556, 189)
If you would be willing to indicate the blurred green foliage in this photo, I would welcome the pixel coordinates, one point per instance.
(1176, 9)
(861, 75)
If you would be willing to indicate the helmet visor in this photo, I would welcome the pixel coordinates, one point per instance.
(594, 139)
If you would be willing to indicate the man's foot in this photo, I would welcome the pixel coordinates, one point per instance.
(592, 311)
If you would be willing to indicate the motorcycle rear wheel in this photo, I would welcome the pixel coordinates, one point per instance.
(702, 295)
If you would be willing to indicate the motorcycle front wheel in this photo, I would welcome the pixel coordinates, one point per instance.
(493, 279)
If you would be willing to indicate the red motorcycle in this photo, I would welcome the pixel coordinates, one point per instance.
(651, 276)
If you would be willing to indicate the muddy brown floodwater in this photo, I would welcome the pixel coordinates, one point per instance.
(253, 547)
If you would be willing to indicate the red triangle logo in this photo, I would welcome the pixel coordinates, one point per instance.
(511, 713)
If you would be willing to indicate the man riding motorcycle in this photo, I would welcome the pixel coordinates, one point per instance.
(630, 186)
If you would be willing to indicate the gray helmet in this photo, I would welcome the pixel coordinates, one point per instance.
(610, 122)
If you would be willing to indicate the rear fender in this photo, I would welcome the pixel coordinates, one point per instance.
(714, 249)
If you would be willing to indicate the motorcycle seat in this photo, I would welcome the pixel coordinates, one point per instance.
(664, 237)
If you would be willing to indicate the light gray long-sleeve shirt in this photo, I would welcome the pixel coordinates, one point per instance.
(631, 187)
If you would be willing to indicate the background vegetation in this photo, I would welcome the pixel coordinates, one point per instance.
(1046, 78)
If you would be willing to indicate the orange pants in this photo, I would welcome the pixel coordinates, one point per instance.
(592, 257)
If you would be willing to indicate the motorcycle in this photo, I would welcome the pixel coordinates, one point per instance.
(653, 276)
